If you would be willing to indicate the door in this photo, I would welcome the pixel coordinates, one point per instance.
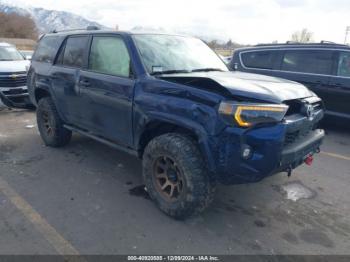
(65, 74)
(311, 68)
(106, 89)
(340, 83)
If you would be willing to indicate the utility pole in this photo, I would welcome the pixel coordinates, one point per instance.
(347, 30)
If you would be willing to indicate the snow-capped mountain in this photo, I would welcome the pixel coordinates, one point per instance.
(48, 20)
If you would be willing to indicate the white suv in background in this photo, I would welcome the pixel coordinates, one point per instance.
(13, 77)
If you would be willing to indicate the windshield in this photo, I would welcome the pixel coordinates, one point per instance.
(176, 54)
(9, 53)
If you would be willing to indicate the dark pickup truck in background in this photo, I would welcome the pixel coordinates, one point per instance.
(322, 67)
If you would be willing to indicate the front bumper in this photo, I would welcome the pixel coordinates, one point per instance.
(272, 153)
(294, 155)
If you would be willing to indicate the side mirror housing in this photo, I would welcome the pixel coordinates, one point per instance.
(235, 66)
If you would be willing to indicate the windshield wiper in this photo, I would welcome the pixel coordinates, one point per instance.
(207, 69)
(170, 72)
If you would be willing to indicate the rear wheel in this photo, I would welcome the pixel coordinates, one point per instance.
(50, 125)
(176, 176)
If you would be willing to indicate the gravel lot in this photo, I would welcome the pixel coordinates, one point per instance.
(88, 198)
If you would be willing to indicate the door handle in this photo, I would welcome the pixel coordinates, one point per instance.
(84, 83)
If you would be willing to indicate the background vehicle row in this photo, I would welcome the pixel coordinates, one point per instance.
(324, 68)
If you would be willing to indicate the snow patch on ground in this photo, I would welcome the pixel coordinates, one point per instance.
(295, 191)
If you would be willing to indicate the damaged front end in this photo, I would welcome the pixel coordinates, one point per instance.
(270, 125)
(249, 155)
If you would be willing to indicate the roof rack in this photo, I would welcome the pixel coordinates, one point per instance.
(88, 28)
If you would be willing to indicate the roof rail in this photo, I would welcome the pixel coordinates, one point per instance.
(328, 42)
(292, 42)
(90, 27)
(272, 44)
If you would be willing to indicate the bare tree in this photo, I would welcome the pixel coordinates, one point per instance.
(17, 26)
(303, 36)
(213, 44)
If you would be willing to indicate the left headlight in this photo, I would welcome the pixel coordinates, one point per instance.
(246, 115)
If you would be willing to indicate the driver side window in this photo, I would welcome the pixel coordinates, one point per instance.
(109, 55)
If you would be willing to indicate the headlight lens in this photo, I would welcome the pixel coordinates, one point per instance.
(246, 115)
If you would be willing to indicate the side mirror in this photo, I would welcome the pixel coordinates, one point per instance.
(235, 66)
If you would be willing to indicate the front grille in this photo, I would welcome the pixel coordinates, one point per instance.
(15, 79)
(293, 136)
(298, 108)
(15, 91)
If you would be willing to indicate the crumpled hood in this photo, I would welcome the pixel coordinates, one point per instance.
(14, 66)
(270, 89)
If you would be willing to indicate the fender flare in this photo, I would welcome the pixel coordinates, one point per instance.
(194, 127)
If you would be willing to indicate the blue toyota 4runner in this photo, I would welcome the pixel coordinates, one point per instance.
(171, 101)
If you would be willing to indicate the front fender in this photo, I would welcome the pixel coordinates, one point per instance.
(182, 122)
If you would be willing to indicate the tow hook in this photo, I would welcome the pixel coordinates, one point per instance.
(289, 171)
(308, 160)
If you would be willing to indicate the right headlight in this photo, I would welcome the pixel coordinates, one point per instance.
(246, 115)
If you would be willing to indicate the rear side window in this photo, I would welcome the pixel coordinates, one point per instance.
(74, 50)
(259, 59)
(308, 61)
(344, 64)
(109, 55)
(47, 49)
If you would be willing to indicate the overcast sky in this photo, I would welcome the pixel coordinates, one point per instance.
(244, 21)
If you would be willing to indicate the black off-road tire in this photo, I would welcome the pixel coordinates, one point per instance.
(199, 189)
(50, 124)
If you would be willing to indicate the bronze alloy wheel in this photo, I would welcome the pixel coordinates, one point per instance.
(168, 179)
(50, 125)
(176, 176)
(47, 123)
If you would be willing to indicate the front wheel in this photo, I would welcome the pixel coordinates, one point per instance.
(176, 176)
(50, 124)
